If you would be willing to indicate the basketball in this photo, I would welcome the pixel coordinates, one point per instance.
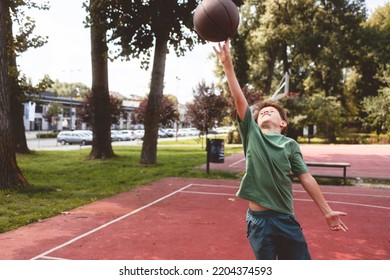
(216, 20)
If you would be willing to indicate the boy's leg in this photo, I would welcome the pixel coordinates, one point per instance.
(290, 241)
(274, 235)
(260, 235)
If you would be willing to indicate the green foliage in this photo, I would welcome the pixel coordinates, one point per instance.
(52, 114)
(208, 108)
(169, 113)
(328, 46)
(377, 108)
(24, 38)
(233, 137)
(326, 112)
(47, 135)
(378, 112)
(134, 25)
(315, 39)
(74, 90)
(115, 109)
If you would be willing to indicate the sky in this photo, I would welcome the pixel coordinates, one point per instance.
(66, 56)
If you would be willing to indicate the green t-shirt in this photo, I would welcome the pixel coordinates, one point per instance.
(270, 158)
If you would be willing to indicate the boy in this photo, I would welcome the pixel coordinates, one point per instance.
(272, 229)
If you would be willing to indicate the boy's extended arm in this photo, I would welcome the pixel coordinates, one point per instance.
(223, 53)
(312, 188)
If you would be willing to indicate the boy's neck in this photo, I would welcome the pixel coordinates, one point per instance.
(270, 130)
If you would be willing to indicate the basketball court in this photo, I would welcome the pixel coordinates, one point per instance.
(197, 219)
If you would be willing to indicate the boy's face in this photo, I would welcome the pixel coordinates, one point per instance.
(269, 118)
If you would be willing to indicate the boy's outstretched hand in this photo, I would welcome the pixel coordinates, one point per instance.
(334, 222)
(223, 52)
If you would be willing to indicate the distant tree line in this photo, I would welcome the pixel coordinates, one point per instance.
(337, 56)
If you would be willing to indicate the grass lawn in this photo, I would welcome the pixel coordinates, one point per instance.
(63, 180)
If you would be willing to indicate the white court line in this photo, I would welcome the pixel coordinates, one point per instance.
(215, 186)
(297, 199)
(53, 258)
(384, 156)
(107, 224)
(350, 194)
(237, 162)
(183, 189)
(297, 191)
(225, 194)
(348, 203)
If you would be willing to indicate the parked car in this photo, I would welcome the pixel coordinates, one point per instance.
(193, 131)
(89, 132)
(72, 137)
(115, 136)
(170, 132)
(125, 135)
(224, 129)
(139, 134)
(162, 133)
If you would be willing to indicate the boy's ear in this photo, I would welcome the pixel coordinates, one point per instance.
(283, 124)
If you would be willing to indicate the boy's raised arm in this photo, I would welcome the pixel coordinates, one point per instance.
(223, 53)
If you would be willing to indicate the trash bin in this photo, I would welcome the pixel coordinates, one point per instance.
(217, 151)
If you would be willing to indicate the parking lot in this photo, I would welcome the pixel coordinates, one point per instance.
(52, 144)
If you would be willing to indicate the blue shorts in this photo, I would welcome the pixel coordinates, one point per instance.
(274, 235)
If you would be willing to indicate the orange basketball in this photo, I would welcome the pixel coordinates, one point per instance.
(216, 20)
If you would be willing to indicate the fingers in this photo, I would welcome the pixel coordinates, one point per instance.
(340, 226)
(220, 47)
(343, 226)
(335, 222)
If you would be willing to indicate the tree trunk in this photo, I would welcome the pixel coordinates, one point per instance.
(17, 109)
(152, 117)
(10, 174)
(101, 118)
(17, 112)
(270, 71)
(19, 132)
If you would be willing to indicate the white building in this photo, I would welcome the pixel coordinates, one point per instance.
(35, 113)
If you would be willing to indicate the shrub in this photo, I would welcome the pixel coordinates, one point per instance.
(233, 137)
(47, 135)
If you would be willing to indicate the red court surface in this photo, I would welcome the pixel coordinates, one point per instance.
(367, 161)
(197, 219)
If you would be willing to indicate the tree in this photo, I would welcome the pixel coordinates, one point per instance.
(169, 22)
(100, 116)
(207, 109)
(377, 108)
(10, 174)
(19, 84)
(161, 25)
(326, 112)
(169, 113)
(319, 42)
(313, 40)
(52, 114)
(86, 112)
(67, 89)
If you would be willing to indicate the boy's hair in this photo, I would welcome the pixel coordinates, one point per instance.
(262, 104)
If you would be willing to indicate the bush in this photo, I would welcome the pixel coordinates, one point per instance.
(47, 135)
(379, 139)
(233, 137)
